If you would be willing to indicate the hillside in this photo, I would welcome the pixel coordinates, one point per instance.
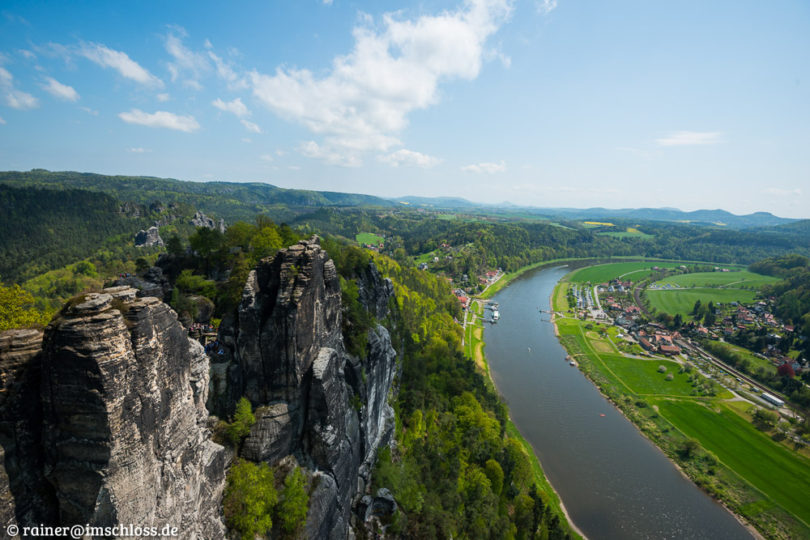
(43, 229)
(230, 200)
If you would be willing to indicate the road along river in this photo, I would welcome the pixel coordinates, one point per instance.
(613, 482)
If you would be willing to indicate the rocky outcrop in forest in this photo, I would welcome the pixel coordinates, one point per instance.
(313, 400)
(148, 238)
(201, 220)
(103, 420)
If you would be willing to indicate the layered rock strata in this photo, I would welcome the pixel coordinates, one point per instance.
(121, 404)
(313, 400)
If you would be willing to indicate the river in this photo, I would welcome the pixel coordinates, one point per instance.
(613, 482)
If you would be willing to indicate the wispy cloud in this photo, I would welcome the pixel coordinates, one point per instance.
(364, 101)
(311, 149)
(160, 119)
(485, 168)
(59, 90)
(234, 107)
(119, 61)
(410, 158)
(14, 98)
(546, 6)
(89, 111)
(139, 150)
(266, 157)
(250, 126)
(690, 138)
(190, 64)
(2, 121)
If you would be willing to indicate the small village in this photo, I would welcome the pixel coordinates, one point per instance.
(616, 303)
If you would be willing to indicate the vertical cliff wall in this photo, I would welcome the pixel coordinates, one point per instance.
(313, 400)
(115, 414)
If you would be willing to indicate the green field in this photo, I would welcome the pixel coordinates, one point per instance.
(720, 279)
(632, 271)
(642, 376)
(781, 475)
(369, 238)
(629, 232)
(683, 300)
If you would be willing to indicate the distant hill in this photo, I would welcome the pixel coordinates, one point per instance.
(718, 217)
(235, 200)
(437, 202)
(229, 200)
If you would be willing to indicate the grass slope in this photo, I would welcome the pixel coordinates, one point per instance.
(369, 238)
(720, 279)
(605, 272)
(781, 475)
(683, 300)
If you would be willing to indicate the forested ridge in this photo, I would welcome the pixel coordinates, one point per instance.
(45, 229)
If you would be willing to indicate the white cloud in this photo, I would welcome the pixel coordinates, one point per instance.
(163, 97)
(327, 2)
(161, 119)
(689, 138)
(411, 158)
(2, 121)
(62, 91)
(364, 100)
(266, 157)
(90, 111)
(247, 140)
(28, 55)
(119, 61)
(311, 149)
(485, 168)
(227, 73)
(234, 107)
(294, 167)
(139, 150)
(185, 61)
(250, 126)
(14, 98)
(546, 6)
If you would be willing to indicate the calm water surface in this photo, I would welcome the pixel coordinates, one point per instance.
(613, 482)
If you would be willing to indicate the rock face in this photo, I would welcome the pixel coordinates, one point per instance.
(201, 220)
(148, 238)
(153, 283)
(312, 399)
(110, 420)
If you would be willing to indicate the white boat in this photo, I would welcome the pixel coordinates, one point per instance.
(496, 315)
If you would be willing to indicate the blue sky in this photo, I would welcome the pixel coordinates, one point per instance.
(689, 104)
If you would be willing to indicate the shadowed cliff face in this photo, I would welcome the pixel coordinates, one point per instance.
(286, 354)
(121, 403)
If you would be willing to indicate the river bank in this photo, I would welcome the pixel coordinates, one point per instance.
(474, 349)
(614, 483)
(702, 467)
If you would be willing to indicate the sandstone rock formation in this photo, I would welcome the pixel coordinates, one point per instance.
(148, 238)
(201, 220)
(115, 430)
(312, 399)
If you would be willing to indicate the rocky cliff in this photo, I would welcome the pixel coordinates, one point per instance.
(103, 417)
(103, 420)
(313, 400)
